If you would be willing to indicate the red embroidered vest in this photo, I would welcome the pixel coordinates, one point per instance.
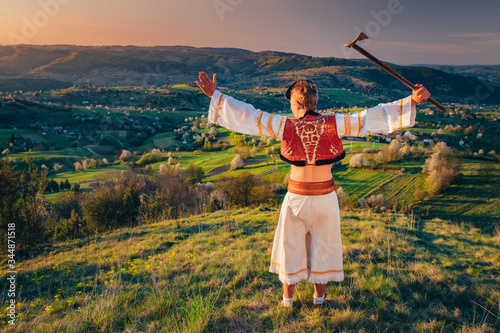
(311, 140)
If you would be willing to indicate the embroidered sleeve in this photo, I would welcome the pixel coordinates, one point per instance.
(243, 117)
(383, 118)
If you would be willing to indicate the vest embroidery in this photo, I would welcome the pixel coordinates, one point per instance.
(309, 133)
(312, 140)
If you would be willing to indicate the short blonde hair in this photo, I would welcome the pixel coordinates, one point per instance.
(306, 93)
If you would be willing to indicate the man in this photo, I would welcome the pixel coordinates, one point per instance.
(307, 242)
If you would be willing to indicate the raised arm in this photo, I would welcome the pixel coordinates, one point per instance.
(239, 116)
(383, 118)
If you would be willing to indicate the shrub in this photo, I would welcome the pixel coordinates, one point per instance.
(254, 151)
(442, 168)
(194, 174)
(237, 162)
(359, 160)
(78, 166)
(71, 228)
(249, 190)
(114, 205)
(89, 163)
(376, 201)
(125, 155)
(342, 196)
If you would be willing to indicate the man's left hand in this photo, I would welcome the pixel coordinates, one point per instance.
(419, 95)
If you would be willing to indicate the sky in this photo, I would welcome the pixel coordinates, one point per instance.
(453, 32)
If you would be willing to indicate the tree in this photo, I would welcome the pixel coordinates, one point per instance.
(442, 168)
(207, 145)
(125, 155)
(194, 174)
(10, 188)
(241, 189)
(237, 162)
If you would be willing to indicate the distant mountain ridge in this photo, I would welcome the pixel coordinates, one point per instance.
(236, 68)
(484, 72)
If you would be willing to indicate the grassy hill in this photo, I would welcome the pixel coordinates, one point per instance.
(210, 273)
(237, 68)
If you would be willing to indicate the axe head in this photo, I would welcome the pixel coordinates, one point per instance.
(361, 36)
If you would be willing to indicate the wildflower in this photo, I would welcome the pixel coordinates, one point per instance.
(48, 310)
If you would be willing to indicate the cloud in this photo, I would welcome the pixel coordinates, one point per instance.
(493, 42)
(441, 48)
(477, 35)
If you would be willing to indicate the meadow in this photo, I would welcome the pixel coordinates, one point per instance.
(209, 273)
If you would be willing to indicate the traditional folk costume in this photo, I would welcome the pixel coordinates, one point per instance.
(308, 243)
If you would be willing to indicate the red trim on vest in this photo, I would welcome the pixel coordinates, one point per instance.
(311, 139)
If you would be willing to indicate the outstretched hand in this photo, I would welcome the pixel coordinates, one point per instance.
(207, 85)
(420, 94)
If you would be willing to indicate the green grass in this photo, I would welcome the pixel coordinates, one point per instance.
(209, 273)
(469, 200)
(401, 191)
(6, 133)
(85, 176)
(65, 157)
(184, 86)
(360, 182)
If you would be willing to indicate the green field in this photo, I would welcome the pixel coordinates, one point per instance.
(86, 176)
(469, 200)
(209, 273)
(401, 192)
(184, 86)
(360, 182)
(48, 158)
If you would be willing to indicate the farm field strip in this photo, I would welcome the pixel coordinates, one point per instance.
(361, 182)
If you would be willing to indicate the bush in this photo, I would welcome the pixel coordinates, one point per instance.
(237, 162)
(88, 164)
(71, 228)
(442, 168)
(194, 174)
(358, 161)
(78, 166)
(125, 155)
(249, 190)
(114, 205)
(376, 201)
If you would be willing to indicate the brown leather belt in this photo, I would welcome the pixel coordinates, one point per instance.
(315, 188)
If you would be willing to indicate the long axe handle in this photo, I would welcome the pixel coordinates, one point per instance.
(393, 73)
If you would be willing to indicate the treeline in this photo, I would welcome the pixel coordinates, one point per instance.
(126, 199)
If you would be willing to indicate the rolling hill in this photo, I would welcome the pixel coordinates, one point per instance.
(237, 68)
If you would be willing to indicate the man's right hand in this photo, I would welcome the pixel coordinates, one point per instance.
(207, 85)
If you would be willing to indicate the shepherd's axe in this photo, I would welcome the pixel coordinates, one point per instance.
(355, 46)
